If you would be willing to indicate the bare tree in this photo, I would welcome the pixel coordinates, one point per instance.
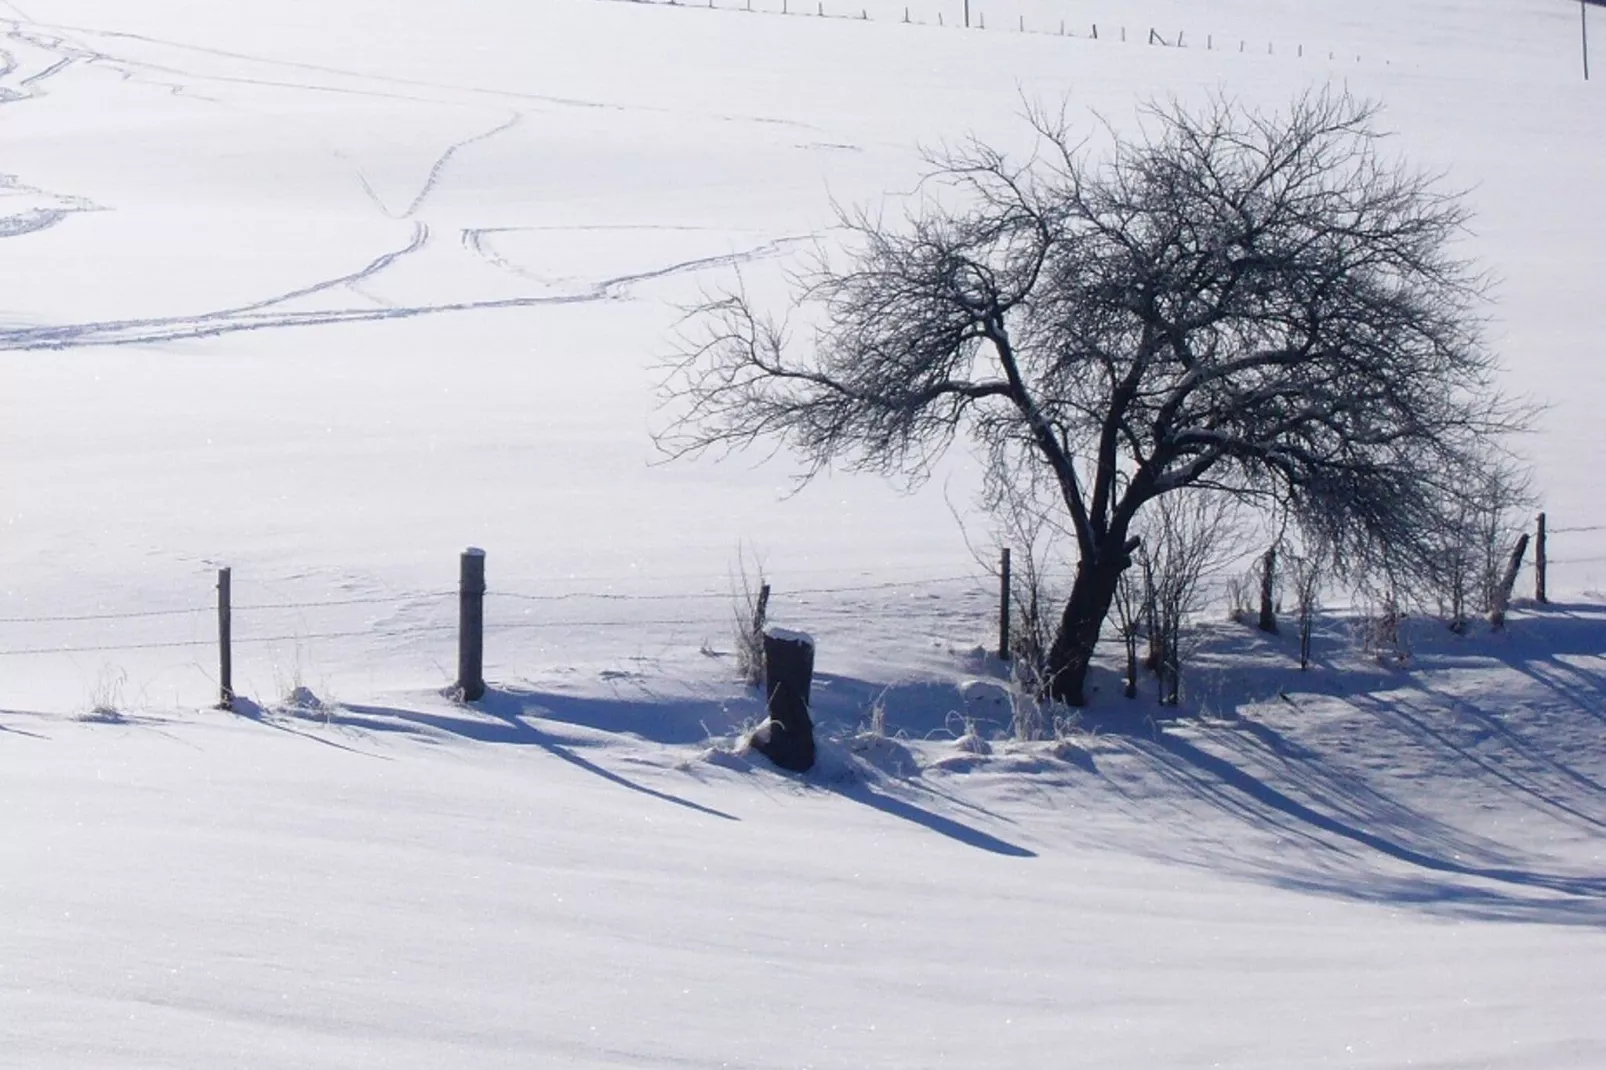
(1262, 305)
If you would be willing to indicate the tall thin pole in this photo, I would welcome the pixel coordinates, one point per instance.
(967, 23)
(1583, 33)
(1540, 563)
(1003, 605)
(471, 624)
(225, 652)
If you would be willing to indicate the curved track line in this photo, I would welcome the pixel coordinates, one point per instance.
(445, 158)
(380, 263)
(254, 318)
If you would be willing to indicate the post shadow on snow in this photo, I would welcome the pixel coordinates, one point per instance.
(841, 705)
(688, 721)
(252, 711)
(955, 830)
(20, 731)
(506, 722)
(682, 721)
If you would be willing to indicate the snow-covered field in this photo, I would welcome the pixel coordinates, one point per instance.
(326, 293)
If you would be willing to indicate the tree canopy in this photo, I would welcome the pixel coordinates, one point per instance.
(1266, 306)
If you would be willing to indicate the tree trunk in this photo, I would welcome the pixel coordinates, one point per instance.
(1072, 652)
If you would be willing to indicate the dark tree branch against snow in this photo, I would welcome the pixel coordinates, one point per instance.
(1259, 306)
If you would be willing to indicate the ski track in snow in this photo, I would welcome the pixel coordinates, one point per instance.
(255, 317)
(437, 169)
(358, 76)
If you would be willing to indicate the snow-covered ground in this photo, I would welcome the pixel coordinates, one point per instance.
(328, 292)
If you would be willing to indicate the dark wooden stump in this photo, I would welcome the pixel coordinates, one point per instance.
(788, 738)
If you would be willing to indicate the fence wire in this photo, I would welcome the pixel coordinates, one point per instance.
(411, 601)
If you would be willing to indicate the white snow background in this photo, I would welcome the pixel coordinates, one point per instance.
(326, 292)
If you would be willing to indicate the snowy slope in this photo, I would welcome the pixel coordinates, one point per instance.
(1411, 875)
(326, 293)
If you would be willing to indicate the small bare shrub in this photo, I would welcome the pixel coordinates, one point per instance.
(1381, 628)
(106, 696)
(1129, 620)
(750, 597)
(1306, 575)
(1187, 542)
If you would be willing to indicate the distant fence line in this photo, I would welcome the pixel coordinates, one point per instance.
(974, 17)
(472, 592)
(470, 626)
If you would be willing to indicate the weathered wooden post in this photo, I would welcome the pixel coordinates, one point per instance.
(1502, 595)
(1539, 562)
(225, 641)
(1003, 605)
(1268, 586)
(471, 625)
(787, 738)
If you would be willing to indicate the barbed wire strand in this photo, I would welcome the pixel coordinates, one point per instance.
(776, 592)
(702, 622)
(404, 601)
(375, 601)
(77, 617)
(234, 640)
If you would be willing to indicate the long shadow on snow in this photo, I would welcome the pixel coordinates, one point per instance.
(505, 716)
(1229, 776)
(1522, 747)
(946, 826)
(1341, 811)
(505, 722)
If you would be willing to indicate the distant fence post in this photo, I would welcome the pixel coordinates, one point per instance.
(1539, 562)
(1003, 605)
(225, 641)
(471, 625)
(1583, 32)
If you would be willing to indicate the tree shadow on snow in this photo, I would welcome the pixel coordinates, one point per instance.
(1360, 815)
